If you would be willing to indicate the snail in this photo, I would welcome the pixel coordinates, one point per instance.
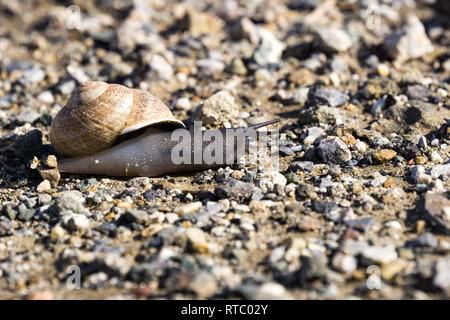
(110, 129)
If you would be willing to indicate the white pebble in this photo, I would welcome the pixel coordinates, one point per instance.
(188, 208)
(46, 97)
(360, 146)
(183, 103)
(43, 186)
(442, 92)
(436, 157)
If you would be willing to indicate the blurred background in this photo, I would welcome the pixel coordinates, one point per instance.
(361, 91)
(190, 49)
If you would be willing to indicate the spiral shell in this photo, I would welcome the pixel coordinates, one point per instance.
(98, 112)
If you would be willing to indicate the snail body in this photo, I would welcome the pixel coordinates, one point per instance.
(98, 115)
(148, 155)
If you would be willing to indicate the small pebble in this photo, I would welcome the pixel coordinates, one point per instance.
(43, 186)
(188, 208)
(384, 155)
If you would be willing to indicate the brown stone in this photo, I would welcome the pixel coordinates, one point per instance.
(309, 224)
(384, 155)
(198, 23)
(51, 161)
(420, 160)
(52, 175)
(302, 77)
(348, 139)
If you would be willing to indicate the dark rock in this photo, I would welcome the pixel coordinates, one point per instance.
(205, 195)
(22, 142)
(303, 5)
(334, 150)
(244, 28)
(149, 195)
(363, 224)
(322, 206)
(136, 216)
(131, 192)
(142, 273)
(301, 51)
(108, 228)
(6, 227)
(235, 190)
(329, 96)
(105, 259)
(307, 166)
(405, 147)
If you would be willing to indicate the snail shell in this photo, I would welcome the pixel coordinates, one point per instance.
(97, 113)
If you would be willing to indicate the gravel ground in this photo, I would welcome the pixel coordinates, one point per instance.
(359, 208)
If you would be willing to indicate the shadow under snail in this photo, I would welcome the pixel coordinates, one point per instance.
(110, 129)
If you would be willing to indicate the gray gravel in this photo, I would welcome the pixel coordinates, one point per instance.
(357, 209)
